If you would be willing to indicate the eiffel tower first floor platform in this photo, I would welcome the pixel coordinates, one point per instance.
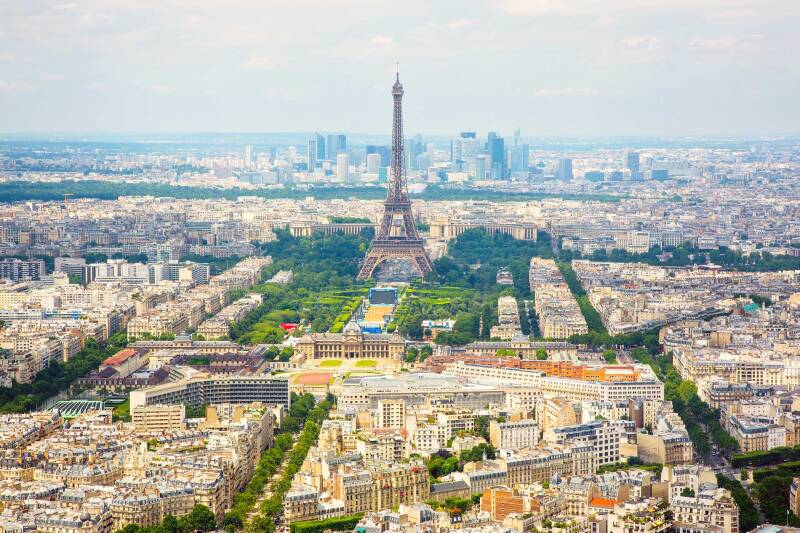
(412, 250)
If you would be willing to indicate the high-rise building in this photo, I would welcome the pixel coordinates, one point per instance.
(495, 145)
(480, 167)
(520, 154)
(384, 151)
(373, 163)
(330, 148)
(632, 161)
(463, 149)
(248, 154)
(517, 137)
(320, 147)
(423, 161)
(469, 135)
(564, 169)
(291, 154)
(417, 148)
(342, 167)
(311, 155)
(335, 144)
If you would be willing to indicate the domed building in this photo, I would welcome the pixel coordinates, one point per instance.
(351, 343)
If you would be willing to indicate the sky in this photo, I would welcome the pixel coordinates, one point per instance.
(549, 67)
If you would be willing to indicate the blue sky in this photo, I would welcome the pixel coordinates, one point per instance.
(549, 67)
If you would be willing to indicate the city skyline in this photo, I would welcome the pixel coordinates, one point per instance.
(550, 68)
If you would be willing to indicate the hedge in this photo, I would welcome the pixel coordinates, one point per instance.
(766, 458)
(342, 523)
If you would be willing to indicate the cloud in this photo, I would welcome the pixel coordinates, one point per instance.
(97, 85)
(381, 39)
(14, 86)
(159, 88)
(640, 41)
(460, 23)
(69, 6)
(286, 96)
(567, 91)
(95, 20)
(257, 63)
(527, 8)
(725, 42)
(51, 77)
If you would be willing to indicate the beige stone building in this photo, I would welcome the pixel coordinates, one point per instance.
(157, 418)
(352, 343)
(382, 487)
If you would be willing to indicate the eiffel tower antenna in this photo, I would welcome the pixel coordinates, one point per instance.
(409, 245)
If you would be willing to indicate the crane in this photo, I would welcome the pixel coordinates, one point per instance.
(67, 195)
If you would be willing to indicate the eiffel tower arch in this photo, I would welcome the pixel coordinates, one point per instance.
(387, 245)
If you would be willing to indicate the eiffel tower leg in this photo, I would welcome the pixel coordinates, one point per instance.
(423, 264)
(370, 261)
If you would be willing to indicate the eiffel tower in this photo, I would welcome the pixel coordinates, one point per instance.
(408, 245)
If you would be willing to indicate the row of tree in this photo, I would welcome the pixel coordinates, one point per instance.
(272, 507)
(702, 422)
(686, 255)
(23, 190)
(58, 376)
(244, 502)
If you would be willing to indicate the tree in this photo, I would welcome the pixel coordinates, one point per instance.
(425, 352)
(411, 327)
(232, 522)
(201, 519)
(482, 426)
(286, 354)
(170, 524)
(476, 453)
(263, 524)
(541, 354)
(610, 356)
(435, 464)
(687, 491)
(687, 390)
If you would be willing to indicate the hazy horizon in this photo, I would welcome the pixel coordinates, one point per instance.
(553, 68)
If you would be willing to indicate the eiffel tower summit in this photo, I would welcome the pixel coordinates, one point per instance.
(406, 243)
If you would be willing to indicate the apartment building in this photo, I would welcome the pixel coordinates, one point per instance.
(508, 325)
(390, 414)
(557, 312)
(379, 487)
(202, 389)
(604, 437)
(514, 434)
(158, 418)
(571, 389)
(712, 509)
(19, 269)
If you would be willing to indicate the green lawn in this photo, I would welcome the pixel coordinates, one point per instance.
(366, 363)
(331, 363)
(123, 411)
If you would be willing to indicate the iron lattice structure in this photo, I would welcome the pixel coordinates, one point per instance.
(408, 244)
